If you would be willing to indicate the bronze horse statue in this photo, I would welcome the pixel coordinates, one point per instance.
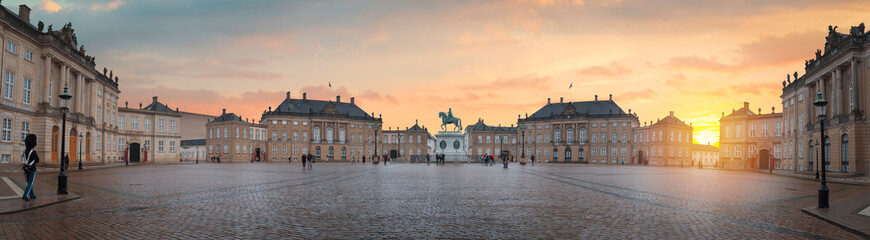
(457, 123)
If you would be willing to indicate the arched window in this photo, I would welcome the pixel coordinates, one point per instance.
(341, 135)
(317, 152)
(582, 135)
(331, 154)
(555, 154)
(343, 153)
(580, 154)
(568, 153)
(315, 134)
(827, 150)
(329, 135)
(557, 136)
(569, 137)
(844, 164)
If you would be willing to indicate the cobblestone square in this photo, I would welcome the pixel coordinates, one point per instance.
(349, 201)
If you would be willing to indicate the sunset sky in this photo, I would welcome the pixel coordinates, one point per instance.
(494, 60)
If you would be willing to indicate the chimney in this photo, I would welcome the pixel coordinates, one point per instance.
(154, 99)
(351, 100)
(288, 95)
(548, 100)
(561, 99)
(772, 110)
(337, 98)
(224, 111)
(672, 113)
(611, 97)
(596, 97)
(24, 13)
(304, 96)
(746, 105)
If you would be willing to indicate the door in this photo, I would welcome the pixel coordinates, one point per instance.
(764, 159)
(134, 152)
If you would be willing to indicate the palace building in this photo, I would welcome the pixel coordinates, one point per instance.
(666, 142)
(750, 140)
(484, 139)
(592, 131)
(411, 144)
(38, 64)
(840, 73)
(147, 134)
(329, 130)
(234, 139)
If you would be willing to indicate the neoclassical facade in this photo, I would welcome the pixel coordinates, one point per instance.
(329, 130)
(705, 155)
(666, 142)
(484, 139)
(37, 64)
(234, 139)
(750, 140)
(411, 144)
(840, 73)
(597, 132)
(149, 133)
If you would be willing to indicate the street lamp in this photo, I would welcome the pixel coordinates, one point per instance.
(80, 150)
(64, 107)
(376, 126)
(820, 111)
(523, 151)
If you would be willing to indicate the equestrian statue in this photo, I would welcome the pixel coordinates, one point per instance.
(449, 118)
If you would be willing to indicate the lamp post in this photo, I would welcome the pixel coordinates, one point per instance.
(64, 107)
(376, 126)
(820, 111)
(523, 151)
(80, 150)
(817, 160)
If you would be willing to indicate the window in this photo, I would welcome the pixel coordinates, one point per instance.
(28, 55)
(603, 152)
(245, 148)
(595, 125)
(800, 122)
(752, 130)
(623, 137)
(603, 137)
(613, 137)
(341, 137)
(275, 122)
(800, 151)
(172, 127)
(274, 149)
(295, 148)
(244, 133)
(304, 136)
(538, 138)
(11, 46)
(764, 130)
(274, 134)
(7, 130)
(6, 158)
(8, 85)
(613, 150)
(845, 154)
(99, 143)
(594, 152)
(778, 129)
(614, 124)
(295, 136)
(557, 136)
(210, 148)
(284, 135)
(329, 137)
(148, 125)
(159, 146)
(582, 135)
(26, 90)
(148, 146)
(121, 122)
(594, 137)
(283, 149)
(99, 115)
(661, 135)
(226, 148)
(316, 134)
(135, 123)
(226, 132)
(737, 152)
(25, 129)
(172, 146)
(727, 151)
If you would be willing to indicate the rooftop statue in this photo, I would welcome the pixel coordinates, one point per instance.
(447, 118)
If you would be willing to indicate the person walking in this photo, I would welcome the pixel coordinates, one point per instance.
(304, 159)
(290, 159)
(427, 159)
(310, 161)
(533, 160)
(30, 166)
(364, 159)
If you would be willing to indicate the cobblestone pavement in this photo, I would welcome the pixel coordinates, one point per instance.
(342, 200)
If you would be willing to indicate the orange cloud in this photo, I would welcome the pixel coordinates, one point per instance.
(615, 69)
(107, 6)
(48, 6)
(636, 96)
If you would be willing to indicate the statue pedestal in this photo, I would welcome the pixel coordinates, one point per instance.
(452, 145)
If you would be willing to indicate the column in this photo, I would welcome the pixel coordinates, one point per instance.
(46, 80)
(79, 93)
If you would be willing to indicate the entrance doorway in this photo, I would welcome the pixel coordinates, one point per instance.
(134, 152)
(764, 159)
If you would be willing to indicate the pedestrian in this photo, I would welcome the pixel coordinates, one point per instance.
(533, 160)
(303, 161)
(310, 160)
(623, 161)
(31, 160)
(289, 159)
(427, 159)
(504, 160)
(364, 159)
